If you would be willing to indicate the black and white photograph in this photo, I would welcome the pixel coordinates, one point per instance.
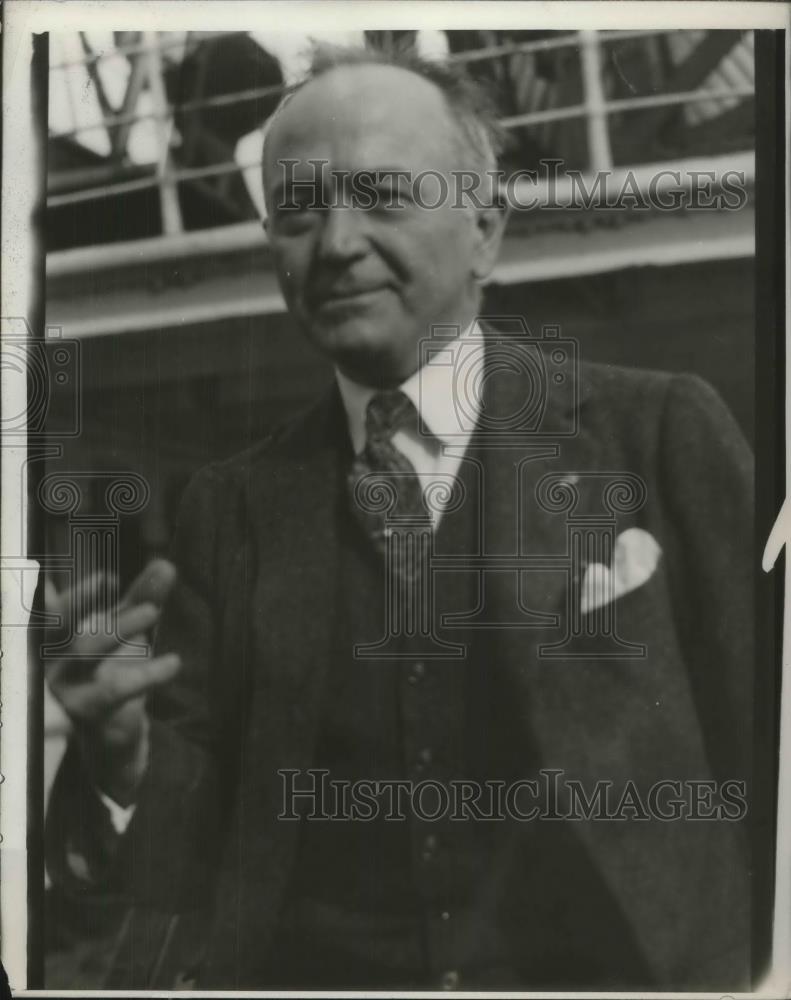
(393, 478)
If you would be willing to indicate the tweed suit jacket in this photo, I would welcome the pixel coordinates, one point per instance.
(205, 863)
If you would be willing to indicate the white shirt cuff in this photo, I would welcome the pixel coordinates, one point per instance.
(120, 816)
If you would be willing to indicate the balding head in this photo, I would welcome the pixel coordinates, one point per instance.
(380, 112)
(470, 110)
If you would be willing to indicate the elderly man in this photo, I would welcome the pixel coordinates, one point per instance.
(282, 663)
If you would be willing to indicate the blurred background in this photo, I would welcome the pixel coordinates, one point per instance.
(158, 266)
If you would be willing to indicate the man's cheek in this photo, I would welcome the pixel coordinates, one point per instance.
(291, 280)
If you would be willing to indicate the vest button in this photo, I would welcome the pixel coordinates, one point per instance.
(450, 980)
(418, 672)
(429, 847)
(424, 758)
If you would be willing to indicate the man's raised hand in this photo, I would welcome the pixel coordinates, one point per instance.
(102, 677)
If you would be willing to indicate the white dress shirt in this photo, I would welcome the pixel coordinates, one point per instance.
(445, 393)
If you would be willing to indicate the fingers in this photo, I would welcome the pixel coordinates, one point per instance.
(88, 597)
(53, 601)
(96, 639)
(90, 600)
(152, 585)
(102, 670)
(98, 590)
(117, 680)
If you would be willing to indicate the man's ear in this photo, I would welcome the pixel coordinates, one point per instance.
(490, 223)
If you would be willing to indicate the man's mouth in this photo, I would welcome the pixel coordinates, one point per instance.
(342, 296)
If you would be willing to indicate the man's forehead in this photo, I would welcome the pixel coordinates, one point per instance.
(374, 105)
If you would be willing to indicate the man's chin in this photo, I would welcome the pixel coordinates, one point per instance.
(351, 336)
(370, 354)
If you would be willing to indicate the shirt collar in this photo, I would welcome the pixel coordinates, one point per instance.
(434, 389)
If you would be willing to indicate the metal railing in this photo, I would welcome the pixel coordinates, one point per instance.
(596, 108)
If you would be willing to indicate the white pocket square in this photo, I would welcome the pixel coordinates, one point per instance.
(635, 559)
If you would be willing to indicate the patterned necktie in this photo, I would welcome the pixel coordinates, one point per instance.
(384, 490)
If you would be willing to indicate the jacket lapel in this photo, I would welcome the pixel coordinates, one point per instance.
(294, 511)
(515, 523)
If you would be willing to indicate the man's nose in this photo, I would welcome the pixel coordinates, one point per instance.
(343, 234)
